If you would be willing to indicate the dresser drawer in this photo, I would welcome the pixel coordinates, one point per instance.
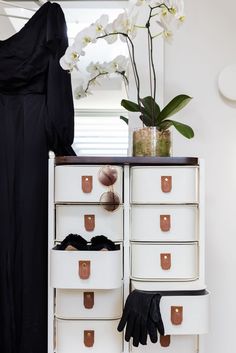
(86, 269)
(88, 336)
(170, 344)
(84, 304)
(89, 220)
(156, 185)
(164, 223)
(81, 183)
(164, 261)
(185, 314)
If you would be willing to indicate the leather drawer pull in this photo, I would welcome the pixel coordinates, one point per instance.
(165, 223)
(176, 315)
(166, 183)
(89, 222)
(87, 183)
(165, 341)
(84, 269)
(88, 338)
(165, 261)
(88, 300)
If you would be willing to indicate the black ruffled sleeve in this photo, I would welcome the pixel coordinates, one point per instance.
(60, 109)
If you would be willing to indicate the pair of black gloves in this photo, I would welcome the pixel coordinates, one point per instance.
(142, 317)
(76, 242)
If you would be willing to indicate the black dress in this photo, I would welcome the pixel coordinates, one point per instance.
(36, 115)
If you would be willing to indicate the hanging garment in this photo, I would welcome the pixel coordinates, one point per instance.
(36, 115)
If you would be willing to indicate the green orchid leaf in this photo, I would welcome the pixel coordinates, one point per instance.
(130, 106)
(185, 130)
(164, 125)
(175, 105)
(151, 107)
(146, 120)
(126, 120)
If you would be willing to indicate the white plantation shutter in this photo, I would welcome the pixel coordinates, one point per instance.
(100, 133)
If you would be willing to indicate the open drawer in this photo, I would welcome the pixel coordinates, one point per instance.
(93, 304)
(183, 312)
(163, 261)
(84, 336)
(86, 269)
(89, 220)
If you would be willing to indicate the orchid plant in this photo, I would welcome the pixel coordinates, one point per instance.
(164, 16)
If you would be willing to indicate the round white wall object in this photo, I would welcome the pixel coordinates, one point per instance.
(227, 82)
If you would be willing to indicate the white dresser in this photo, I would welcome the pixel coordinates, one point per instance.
(159, 231)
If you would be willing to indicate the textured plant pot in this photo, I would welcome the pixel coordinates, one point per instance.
(149, 141)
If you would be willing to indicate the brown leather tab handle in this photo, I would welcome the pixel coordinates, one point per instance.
(166, 183)
(176, 315)
(87, 183)
(84, 269)
(165, 261)
(165, 222)
(89, 222)
(88, 300)
(88, 338)
(165, 341)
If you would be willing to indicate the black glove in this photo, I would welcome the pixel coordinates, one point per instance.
(74, 242)
(100, 242)
(137, 319)
(154, 319)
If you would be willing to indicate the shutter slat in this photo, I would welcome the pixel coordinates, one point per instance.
(101, 134)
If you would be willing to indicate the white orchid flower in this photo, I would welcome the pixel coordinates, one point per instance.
(80, 91)
(68, 66)
(168, 36)
(86, 36)
(101, 24)
(78, 48)
(175, 16)
(176, 7)
(180, 14)
(112, 36)
(95, 68)
(142, 2)
(71, 55)
(154, 3)
(167, 19)
(167, 29)
(70, 58)
(119, 64)
(125, 24)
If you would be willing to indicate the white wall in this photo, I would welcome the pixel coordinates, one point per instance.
(201, 48)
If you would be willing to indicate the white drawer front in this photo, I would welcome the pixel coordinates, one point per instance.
(191, 317)
(182, 344)
(88, 221)
(164, 261)
(86, 269)
(68, 184)
(164, 185)
(72, 336)
(83, 304)
(163, 223)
